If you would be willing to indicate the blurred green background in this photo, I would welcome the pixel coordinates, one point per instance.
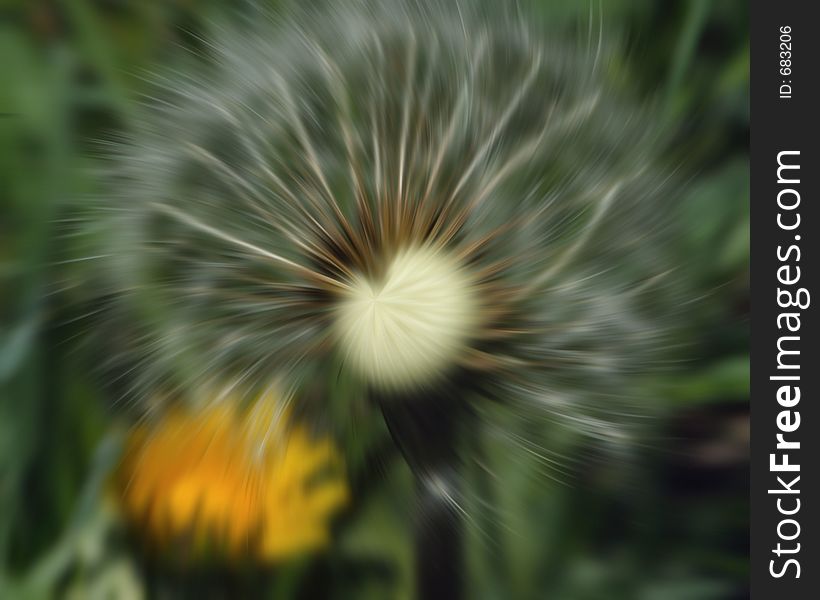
(676, 529)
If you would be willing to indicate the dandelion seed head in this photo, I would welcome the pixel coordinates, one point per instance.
(429, 195)
(404, 327)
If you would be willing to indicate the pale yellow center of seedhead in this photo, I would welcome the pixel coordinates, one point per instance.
(406, 328)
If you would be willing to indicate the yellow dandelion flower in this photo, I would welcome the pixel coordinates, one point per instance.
(245, 483)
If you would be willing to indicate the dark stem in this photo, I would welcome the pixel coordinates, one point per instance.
(438, 544)
(426, 430)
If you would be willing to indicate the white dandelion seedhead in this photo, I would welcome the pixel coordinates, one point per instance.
(425, 194)
(410, 323)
